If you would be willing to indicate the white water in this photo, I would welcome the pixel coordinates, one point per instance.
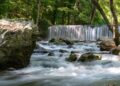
(79, 32)
(54, 70)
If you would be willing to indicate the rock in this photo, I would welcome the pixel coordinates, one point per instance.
(70, 46)
(56, 41)
(107, 45)
(60, 55)
(89, 57)
(63, 51)
(72, 57)
(52, 40)
(51, 54)
(68, 42)
(17, 43)
(116, 51)
(61, 41)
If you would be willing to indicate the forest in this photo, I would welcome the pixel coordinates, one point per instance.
(60, 11)
(63, 12)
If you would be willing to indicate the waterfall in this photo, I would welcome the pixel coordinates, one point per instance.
(80, 32)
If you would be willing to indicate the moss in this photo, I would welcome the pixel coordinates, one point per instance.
(43, 28)
(89, 57)
(72, 57)
(17, 49)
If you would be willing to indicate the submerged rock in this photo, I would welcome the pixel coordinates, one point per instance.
(89, 57)
(56, 41)
(68, 42)
(52, 40)
(107, 45)
(51, 54)
(17, 41)
(116, 51)
(61, 41)
(72, 57)
(62, 51)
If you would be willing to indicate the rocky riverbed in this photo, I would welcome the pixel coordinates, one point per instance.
(49, 67)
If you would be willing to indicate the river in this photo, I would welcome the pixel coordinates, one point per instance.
(54, 70)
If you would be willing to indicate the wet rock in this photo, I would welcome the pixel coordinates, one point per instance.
(68, 42)
(116, 51)
(60, 55)
(72, 57)
(70, 46)
(107, 45)
(56, 41)
(51, 54)
(17, 43)
(89, 57)
(63, 51)
(60, 41)
(52, 40)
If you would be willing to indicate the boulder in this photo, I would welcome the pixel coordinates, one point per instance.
(17, 41)
(116, 51)
(89, 57)
(72, 57)
(107, 45)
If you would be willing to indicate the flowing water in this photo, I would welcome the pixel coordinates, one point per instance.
(80, 32)
(54, 70)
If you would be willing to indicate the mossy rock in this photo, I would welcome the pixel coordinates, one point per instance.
(87, 57)
(72, 57)
(116, 51)
(61, 41)
(56, 41)
(68, 42)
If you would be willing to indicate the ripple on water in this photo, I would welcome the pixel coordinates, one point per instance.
(54, 70)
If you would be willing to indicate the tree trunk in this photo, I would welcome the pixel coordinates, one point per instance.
(38, 12)
(92, 16)
(115, 25)
(97, 5)
(63, 17)
(68, 18)
(55, 13)
(54, 16)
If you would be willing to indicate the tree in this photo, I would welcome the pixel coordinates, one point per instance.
(113, 28)
(115, 25)
(97, 5)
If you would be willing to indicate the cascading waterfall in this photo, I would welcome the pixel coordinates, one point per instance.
(79, 32)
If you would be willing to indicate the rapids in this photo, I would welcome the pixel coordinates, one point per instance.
(54, 70)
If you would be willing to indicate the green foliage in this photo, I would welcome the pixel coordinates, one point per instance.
(53, 12)
(43, 27)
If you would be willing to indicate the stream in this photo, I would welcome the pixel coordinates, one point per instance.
(54, 70)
